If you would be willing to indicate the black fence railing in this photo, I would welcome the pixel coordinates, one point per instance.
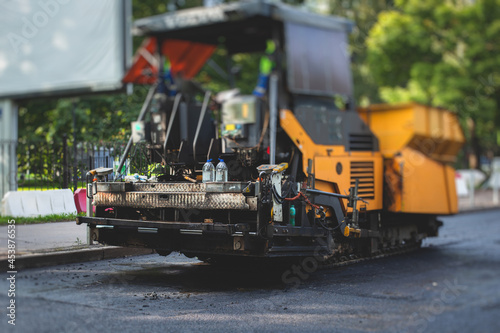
(62, 164)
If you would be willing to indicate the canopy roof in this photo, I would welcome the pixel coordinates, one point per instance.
(233, 23)
(318, 62)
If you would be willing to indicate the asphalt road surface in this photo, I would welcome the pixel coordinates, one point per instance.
(452, 284)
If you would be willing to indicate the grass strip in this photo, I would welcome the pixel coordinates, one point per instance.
(40, 219)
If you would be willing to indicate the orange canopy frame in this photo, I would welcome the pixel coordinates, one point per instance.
(186, 60)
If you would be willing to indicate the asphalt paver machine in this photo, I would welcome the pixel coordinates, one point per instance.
(306, 173)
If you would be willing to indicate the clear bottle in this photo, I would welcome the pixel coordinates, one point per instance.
(208, 172)
(221, 171)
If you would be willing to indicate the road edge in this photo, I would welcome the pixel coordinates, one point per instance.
(478, 210)
(72, 256)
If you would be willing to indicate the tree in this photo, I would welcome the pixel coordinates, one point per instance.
(100, 117)
(443, 53)
(364, 15)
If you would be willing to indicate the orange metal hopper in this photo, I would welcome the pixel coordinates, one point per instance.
(418, 143)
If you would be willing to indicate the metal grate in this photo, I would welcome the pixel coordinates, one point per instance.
(365, 173)
(361, 142)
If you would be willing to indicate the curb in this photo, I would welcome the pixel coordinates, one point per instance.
(71, 257)
(478, 210)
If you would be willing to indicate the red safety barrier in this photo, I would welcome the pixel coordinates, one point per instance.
(81, 200)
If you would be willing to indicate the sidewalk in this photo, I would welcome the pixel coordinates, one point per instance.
(45, 244)
(45, 237)
(59, 243)
(483, 199)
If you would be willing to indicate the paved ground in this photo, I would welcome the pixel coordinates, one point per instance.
(36, 238)
(451, 285)
(49, 244)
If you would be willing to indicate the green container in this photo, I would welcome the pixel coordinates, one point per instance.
(292, 215)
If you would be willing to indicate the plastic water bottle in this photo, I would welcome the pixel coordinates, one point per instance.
(292, 215)
(221, 171)
(208, 172)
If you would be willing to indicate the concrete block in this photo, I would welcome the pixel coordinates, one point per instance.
(57, 202)
(43, 202)
(12, 205)
(61, 201)
(471, 176)
(69, 202)
(29, 203)
(35, 203)
(461, 186)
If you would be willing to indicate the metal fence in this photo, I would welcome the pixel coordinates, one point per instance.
(62, 164)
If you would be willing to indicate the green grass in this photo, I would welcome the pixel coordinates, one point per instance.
(40, 219)
(34, 188)
(34, 182)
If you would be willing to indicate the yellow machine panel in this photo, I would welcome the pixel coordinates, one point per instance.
(333, 164)
(417, 143)
(366, 167)
(415, 183)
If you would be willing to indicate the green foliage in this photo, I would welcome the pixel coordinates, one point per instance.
(101, 117)
(395, 36)
(364, 14)
(443, 53)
